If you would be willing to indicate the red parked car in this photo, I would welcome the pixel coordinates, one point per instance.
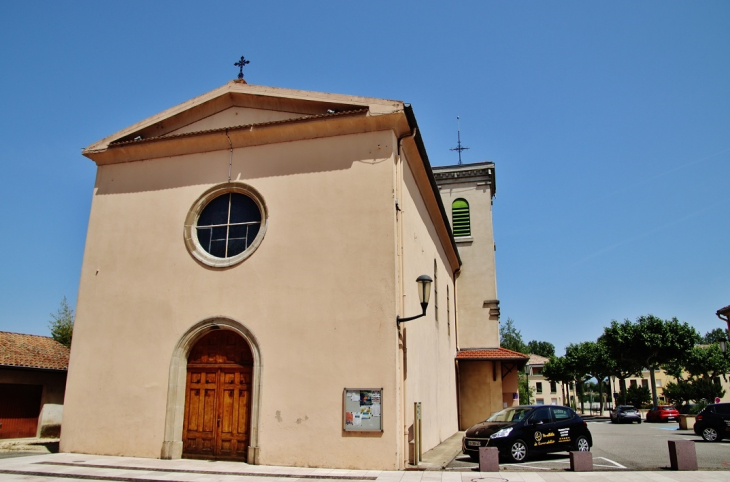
(662, 413)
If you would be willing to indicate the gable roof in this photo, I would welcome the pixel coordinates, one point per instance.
(537, 360)
(306, 115)
(490, 354)
(32, 351)
(292, 104)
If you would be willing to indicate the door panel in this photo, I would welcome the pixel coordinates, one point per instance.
(20, 406)
(217, 405)
(234, 414)
(200, 413)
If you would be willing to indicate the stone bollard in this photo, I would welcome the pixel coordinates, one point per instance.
(488, 459)
(682, 454)
(581, 461)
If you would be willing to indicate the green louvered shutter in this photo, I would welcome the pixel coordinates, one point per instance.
(460, 218)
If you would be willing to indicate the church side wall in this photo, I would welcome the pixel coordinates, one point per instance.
(318, 294)
(430, 343)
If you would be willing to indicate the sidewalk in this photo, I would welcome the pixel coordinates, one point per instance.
(65, 467)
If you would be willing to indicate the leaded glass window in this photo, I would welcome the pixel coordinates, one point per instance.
(228, 225)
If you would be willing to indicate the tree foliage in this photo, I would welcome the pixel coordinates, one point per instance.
(542, 348)
(703, 366)
(62, 324)
(511, 338)
(638, 395)
(715, 336)
(526, 391)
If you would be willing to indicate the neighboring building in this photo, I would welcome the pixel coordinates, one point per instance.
(32, 383)
(544, 392)
(248, 253)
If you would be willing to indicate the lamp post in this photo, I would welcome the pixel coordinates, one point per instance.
(424, 293)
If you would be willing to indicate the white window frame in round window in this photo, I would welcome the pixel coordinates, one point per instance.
(191, 222)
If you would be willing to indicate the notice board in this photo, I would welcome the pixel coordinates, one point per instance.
(363, 410)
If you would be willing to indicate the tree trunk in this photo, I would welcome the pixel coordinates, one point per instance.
(653, 388)
(579, 391)
(622, 391)
(600, 397)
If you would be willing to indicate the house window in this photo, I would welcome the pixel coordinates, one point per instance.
(538, 387)
(225, 225)
(460, 218)
(436, 289)
(540, 401)
(553, 401)
(632, 383)
(645, 383)
(659, 383)
(553, 387)
(448, 311)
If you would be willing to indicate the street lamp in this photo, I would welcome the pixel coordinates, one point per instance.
(424, 293)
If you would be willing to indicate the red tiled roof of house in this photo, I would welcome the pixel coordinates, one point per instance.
(32, 351)
(537, 360)
(490, 354)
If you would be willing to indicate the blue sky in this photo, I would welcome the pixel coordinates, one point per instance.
(609, 123)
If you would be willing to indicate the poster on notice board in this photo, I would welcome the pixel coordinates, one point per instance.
(363, 410)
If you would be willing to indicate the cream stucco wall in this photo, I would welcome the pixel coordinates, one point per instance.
(475, 402)
(429, 343)
(320, 296)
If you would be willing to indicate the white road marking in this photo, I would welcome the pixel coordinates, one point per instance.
(613, 462)
(532, 465)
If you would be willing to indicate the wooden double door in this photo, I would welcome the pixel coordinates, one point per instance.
(218, 399)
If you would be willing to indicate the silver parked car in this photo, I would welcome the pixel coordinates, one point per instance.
(625, 413)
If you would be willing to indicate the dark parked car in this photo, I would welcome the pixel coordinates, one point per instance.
(520, 431)
(662, 413)
(625, 413)
(713, 423)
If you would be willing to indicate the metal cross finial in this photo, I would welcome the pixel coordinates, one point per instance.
(458, 147)
(240, 64)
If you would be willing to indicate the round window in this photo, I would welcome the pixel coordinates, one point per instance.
(225, 225)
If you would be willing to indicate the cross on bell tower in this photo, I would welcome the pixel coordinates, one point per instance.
(240, 64)
(458, 147)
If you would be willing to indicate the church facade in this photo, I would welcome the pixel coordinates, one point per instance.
(249, 256)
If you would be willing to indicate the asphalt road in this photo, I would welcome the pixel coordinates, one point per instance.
(625, 447)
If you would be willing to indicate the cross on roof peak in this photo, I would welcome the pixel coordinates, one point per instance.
(241, 64)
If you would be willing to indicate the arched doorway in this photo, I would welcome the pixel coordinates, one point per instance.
(218, 395)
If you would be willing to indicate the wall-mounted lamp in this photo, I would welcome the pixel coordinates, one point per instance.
(424, 293)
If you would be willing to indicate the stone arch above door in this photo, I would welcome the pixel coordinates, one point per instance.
(172, 446)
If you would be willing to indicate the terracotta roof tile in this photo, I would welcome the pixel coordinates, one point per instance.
(537, 360)
(32, 351)
(490, 354)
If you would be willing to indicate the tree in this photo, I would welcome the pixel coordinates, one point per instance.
(715, 336)
(525, 389)
(62, 324)
(511, 338)
(542, 348)
(594, 357)
(679, 393)
(557, 370)
(576, 360)
(659, 342)
(638, 395)
(703, 365)
(618, 340)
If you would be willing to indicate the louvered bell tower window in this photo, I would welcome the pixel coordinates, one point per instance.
(460, 218)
